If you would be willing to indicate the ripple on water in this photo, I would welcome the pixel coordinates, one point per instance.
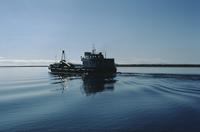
(133, 101)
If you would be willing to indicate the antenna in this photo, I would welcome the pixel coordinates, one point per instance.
(104, 52)
(93, 49)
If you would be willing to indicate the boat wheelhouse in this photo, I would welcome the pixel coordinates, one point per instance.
(96, 62)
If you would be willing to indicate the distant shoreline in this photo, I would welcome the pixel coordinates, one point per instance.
(158, 65)
(24, 66)
(125, 65)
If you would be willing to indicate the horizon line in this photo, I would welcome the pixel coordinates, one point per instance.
(120, 65)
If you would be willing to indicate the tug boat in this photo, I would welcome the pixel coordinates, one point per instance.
(97, 63)
(92, 62)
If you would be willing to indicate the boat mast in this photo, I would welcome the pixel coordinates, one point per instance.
(63, 56)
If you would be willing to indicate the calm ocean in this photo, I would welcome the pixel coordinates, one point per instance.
(136, 99)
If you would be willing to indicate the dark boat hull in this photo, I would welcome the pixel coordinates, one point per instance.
(82, 70)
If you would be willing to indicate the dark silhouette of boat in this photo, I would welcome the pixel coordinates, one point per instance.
(96, 83)
(62, 66)
(92, 62)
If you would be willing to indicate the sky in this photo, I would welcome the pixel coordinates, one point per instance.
(131, 31)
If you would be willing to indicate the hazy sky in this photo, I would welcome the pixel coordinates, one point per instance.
(131, 31)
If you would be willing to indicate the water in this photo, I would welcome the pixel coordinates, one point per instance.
(136, 99)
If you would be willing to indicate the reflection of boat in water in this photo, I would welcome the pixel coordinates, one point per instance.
(92, 62)
(94, 83)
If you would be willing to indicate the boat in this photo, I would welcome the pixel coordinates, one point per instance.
(97, 63)
(92, 62)
(62, 66)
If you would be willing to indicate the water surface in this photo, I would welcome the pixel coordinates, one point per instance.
(136, 99)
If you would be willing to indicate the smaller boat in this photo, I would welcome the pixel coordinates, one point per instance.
(62, 66)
